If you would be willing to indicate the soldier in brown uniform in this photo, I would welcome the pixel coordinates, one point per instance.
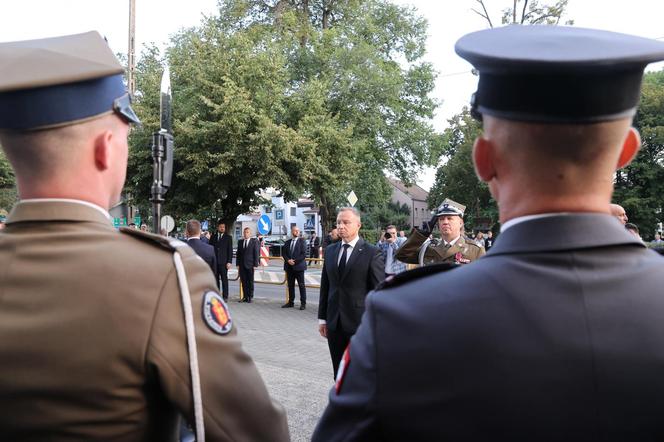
(452, 248)
(94, 322)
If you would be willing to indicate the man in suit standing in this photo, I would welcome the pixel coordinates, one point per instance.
(294, 265)
(352, 268)
(560, 338)
(314, 246)
(246, 260)
(204, 250)
(223, 248)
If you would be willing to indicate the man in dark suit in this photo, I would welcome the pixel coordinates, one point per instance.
(246, 260)
(294, 265)
(352, 268)
(223, 248)
(314, 246)
(561, 337)
(205, 251)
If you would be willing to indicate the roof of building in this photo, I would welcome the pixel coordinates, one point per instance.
(414, 191)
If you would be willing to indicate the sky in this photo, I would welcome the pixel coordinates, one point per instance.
(448, 20)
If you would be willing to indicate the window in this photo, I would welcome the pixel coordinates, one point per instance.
(268, 209)
(293, 211)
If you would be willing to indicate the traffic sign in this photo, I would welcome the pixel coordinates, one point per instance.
(264, 225)
(352, 198)
(168, 223)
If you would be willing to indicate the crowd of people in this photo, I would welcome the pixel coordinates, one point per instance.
(553, 335)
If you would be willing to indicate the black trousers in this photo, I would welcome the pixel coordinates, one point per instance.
(291, 276)
(223, 275)
(337, 341)
(247, 279)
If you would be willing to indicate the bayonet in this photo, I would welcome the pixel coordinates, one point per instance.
(162, 152)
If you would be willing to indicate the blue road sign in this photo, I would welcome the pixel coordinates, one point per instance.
(264, 225)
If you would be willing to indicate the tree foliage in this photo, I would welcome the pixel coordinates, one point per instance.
(314, 95)
(389, 213)
(527, 12)
(8, 194)
(639, 187)
(229, 88)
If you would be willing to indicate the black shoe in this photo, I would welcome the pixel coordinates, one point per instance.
(287, 305)
(303, 306)
(225, 298)
(249, 300)
(243, 300)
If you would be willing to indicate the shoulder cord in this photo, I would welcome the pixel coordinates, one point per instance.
(423, 250)
(191, 344)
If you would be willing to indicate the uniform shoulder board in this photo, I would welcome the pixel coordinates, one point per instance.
(419, 272)
(158, 240)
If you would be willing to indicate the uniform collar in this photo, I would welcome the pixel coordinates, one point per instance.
(563, 232)
(57, 209)
(454, 241)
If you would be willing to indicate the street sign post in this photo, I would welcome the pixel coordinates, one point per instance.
(264, 225)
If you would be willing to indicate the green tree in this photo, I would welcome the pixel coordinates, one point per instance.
(389, 213)
(527, 12)
(8, 194)
(456, 178)
(363, 59)
(315, 95)
(639, 187)
(228, 90)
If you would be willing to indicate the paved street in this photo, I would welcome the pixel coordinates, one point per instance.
(290, 354)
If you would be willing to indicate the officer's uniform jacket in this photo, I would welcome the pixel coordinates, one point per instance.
(562, 338)
(92, 337)
(463, 251)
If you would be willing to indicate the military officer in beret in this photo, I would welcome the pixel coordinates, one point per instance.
(561, 338)
(453, 246)
(104, 334)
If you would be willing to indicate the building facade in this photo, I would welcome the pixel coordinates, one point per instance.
(415, 198)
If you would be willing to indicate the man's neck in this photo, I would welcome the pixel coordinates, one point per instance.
(524, 204)
(450, 238)
(350, 240)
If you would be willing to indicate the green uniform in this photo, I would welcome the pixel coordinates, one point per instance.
(92, 336)
(463, 251)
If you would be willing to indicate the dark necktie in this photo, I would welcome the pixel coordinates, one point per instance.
(342, 263)
(292, 246)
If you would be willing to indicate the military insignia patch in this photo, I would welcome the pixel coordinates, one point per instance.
(215, 313)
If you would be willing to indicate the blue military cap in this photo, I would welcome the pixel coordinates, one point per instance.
(58, 81)
(557, 74)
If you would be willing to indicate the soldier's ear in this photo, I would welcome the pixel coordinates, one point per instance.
(630, 148)
(103, 145)
(483, 159)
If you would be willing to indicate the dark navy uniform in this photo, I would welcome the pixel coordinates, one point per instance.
(557, 333)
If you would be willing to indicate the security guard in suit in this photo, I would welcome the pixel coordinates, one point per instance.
(560, 338)
(104, 334)
(453, 247)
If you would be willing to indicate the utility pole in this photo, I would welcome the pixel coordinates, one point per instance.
(131, 58)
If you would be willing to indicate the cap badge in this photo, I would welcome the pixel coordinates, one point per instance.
(215, 313)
